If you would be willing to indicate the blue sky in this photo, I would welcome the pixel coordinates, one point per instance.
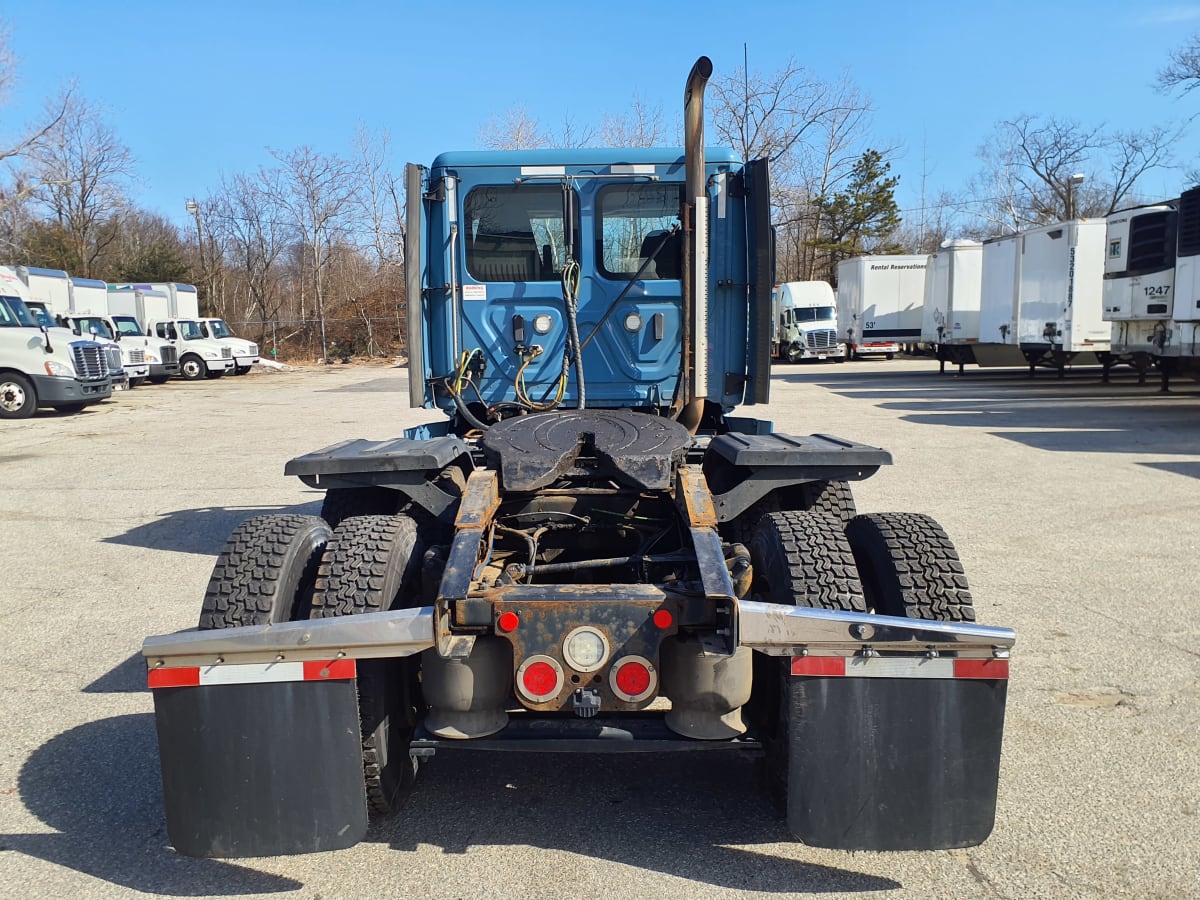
(202, 89)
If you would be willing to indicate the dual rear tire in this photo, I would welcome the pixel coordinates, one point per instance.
(282, 568)
(895, 564)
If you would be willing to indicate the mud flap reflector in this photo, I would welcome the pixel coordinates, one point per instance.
(260, 760)
(894, 753)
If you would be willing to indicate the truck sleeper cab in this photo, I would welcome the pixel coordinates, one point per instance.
(588, 531)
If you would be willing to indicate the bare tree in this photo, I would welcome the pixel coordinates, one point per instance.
(82, 171)
(381, 197)
(1031, 168)
(772, 117)
(1182, 73)
(640, 125)
(13, 150)
(320, 193)
(247, 221)
(515, 129)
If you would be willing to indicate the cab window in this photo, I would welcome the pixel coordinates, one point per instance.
(515, 232)
(635, 221)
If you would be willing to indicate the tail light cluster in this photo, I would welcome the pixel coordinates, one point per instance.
(586, 649)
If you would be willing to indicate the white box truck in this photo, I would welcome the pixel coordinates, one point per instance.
(89, 310)
(44, 367)
(160, 357)
(51, 287)
(131, 306)
(879, 302)
(1042, 297)
(950, 315)
(199, 355)
(804, 322)
(185, 304)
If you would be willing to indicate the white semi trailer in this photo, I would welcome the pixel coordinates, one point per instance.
(1041, 299)
(1152, 284)
(950, 315)
(879, 302)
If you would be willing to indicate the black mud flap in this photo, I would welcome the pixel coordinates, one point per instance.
(894, 763)
(261, 769)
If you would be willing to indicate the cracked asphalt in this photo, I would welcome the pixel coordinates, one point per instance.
(1074, 505)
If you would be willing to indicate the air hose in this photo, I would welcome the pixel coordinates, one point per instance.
(570, 293)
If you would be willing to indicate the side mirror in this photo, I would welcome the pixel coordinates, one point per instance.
(46, 335)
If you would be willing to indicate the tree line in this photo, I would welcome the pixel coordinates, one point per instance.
(306, 253)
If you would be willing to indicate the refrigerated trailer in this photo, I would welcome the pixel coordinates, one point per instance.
(1041, 302)
(950, 314)
(880, 301)
(1152, 284)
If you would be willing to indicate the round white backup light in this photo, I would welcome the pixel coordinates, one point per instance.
(542, 323)
(633, 322)
(585, 649)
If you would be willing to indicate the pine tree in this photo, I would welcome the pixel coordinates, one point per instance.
(860, 219)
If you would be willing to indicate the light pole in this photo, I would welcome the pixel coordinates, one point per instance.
(1073, 184)
(194, 208)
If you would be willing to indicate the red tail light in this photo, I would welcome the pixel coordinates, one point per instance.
(633, 678)
(540, 678)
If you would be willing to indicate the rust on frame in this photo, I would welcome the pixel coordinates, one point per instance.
(694, 499)
(479, 502)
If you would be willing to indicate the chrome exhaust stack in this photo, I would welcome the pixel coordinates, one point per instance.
(689, 402)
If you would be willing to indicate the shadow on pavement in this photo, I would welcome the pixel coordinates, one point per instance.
(1075, 414)
(673, 813)
(99, 786)
(202, 530)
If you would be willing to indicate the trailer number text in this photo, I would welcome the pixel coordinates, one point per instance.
(1157, 291)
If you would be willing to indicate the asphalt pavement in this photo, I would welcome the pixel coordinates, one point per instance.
(1074, 505)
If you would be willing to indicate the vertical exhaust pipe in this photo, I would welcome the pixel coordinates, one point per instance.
(689, 400)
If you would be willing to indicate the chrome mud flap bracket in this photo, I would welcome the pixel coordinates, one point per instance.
(894, 725)
(258, 731)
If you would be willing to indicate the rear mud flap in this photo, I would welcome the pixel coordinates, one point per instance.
(894, 763)
(261, 769)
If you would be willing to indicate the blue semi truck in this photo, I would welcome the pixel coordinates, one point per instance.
(591, 552)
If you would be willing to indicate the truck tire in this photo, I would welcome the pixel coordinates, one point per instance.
(265, 572)
(832, 498)
(909, 567)
(795, 354)
(240, 370)
(71, 407)
(159, 379)
(214, 373)
(18, 399)
(373, 563)
(829, 497)
(799, 559)
(342, 503)
(192, 368)
(135, 382)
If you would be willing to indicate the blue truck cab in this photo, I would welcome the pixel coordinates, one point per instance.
(506, 284)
